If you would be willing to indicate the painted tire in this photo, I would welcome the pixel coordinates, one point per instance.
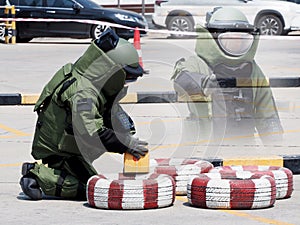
(181, 170)
(283, 176)
(135, 192)
(209, 191)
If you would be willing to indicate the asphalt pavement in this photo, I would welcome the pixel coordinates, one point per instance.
(164, 125)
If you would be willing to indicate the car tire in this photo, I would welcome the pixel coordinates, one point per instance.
(180, 24)
(130, 192)
(2, 32)
(97, 30)
(283, 176)
(18, 39)
(208, 191)
(270, 25)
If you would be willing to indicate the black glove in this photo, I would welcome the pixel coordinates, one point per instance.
(212, 84)
(108, 40)
(227, 82)
(121, 143)
(136, 148)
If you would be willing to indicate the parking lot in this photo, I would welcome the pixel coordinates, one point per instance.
(27, 67)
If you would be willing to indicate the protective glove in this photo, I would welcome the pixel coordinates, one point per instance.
(107, 41)
(227, 82)
(116, 142)
(212, 84)
(136, 148)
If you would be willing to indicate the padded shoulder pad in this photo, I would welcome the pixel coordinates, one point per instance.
(68, 69)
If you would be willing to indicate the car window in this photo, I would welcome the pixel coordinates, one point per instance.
(60, 3)
(26, 2)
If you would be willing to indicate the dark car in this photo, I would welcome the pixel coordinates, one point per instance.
(69, 9)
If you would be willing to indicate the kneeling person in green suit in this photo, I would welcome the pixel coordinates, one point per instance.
(79, 119)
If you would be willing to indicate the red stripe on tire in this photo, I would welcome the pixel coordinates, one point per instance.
(189, 161)
(116, 189)
(201, 195)
(165, 161)
(90, 191)
(150, 194)
(240, 195)
(169, 170)
(227, 174)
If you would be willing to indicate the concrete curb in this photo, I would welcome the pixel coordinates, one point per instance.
(130, 98)
(291, 162)
(152, 97)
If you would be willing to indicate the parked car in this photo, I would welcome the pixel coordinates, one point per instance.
(296, 1)
(273, 17)
(131, 5)
(70, 9)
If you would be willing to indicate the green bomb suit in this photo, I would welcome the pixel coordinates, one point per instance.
(74, 109)
(258, 114)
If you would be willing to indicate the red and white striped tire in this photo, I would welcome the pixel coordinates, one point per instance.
(181, 170)
(130, 192)
(283, 176)
(212, 192)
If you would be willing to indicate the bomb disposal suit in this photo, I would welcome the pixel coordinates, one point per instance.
(79, 118)
(224, 72)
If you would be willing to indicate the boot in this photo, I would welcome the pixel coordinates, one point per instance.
(30, 187)
(26, 167)
(28, 183)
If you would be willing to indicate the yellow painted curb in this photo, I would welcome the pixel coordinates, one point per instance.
(129, 98)
(248, 161)
(29, 99)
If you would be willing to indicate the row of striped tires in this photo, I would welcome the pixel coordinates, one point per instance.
(240, 187)
(235, 187)
(167, 178)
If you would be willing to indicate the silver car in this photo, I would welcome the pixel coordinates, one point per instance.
(273, 17)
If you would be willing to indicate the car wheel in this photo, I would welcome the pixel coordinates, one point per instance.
(180, 23)
(97, 30)
(2, 33)
(270, 25)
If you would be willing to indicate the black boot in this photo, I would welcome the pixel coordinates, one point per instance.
(28, 183)
(26, 167)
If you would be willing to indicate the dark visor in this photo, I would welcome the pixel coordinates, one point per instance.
(132, 73)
